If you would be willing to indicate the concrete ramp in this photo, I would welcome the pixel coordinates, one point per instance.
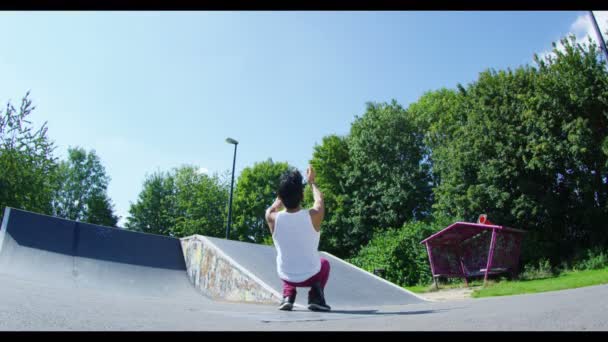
(66, 253)
(348, 286)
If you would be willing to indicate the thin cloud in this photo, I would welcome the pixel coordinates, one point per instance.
(582, 29)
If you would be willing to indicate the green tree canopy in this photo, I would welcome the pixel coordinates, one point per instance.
(81, 189)
(154, 211)
(200, 203)
(27, 165)
(180, 203)
(331, 162)
(525, 147)
(256, 190)
(387, 179)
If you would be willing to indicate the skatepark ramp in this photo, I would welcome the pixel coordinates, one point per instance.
(67, 253)
(70, 254)
(253, 276)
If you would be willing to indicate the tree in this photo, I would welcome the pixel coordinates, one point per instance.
(81, 189)
(200, 203)
(525, 147)
(571, 109)
(155, 210)
(100, 210)
(387, 177)
(256, 189)
(331, 160)
(180, 203)
(26, 161)
(438, 115)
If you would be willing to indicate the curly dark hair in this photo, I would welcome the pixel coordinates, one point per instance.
(291, 189)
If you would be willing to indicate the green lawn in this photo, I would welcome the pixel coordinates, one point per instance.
(566, 280)
(454, 285)
(418, 289)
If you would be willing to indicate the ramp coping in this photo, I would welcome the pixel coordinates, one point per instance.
(4, 226)
(381, 279)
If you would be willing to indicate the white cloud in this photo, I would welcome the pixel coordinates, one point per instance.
(203, 170)
(582, 29)
(582, 26)
(602, 20)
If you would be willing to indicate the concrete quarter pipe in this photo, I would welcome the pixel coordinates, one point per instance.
(66, 253)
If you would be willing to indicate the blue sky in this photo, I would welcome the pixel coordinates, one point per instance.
(155, 90)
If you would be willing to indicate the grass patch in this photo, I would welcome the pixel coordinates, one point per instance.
(566, 280)
(452, 285)
(418, 289)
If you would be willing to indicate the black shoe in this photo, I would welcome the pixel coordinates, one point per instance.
(316, 299)
(287, 303)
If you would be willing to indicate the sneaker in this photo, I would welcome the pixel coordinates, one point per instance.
(316, 299)
(287, 303)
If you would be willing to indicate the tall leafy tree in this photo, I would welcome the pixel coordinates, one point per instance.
(27, 165)
(81, 189)
(180, 203)
(525, 147)
(100, 210)
(155, 210)
(200, 203)
(387, 177)
(331, 162)
(255, 191)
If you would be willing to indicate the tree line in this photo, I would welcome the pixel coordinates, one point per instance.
(32, 178)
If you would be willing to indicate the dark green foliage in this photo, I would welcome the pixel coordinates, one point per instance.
(27, 165)
(181, 203)
(399, 252)
(81, 189)
(256, 190)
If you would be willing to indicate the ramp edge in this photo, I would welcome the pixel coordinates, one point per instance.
(4, 227)
(381, 279)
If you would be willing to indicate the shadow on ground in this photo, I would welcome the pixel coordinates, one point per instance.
(306, 315)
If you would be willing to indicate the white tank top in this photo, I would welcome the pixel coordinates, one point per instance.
(297, 243)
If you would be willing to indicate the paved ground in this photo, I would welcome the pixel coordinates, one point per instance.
(449, 294)
(61, 275)
(28, 305)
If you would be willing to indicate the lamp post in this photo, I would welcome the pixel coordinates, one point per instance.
(235, 143)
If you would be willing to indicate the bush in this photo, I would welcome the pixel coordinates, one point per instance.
(596, 259)
(541, 271)
(267, 240)
(399, 253)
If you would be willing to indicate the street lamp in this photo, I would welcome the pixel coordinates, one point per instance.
(233, 142)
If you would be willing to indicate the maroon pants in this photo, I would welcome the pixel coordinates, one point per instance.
(289, 288)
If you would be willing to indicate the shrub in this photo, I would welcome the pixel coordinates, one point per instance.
(399, 253)
(596, 259)
(541, 271)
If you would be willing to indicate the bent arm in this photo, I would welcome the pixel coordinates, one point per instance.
(318, 209)
(271, 214)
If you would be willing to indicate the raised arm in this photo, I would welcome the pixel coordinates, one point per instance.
(271, 213)
(317, 211)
